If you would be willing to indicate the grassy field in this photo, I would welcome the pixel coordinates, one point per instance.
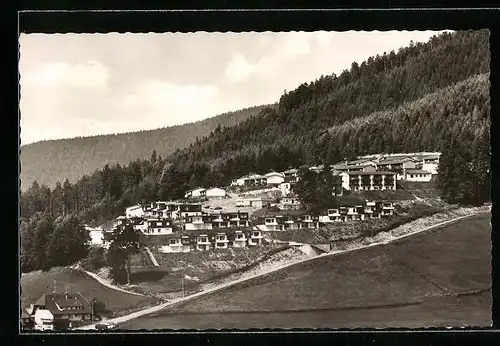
(35, 284)
(414, 282)
(202, 267)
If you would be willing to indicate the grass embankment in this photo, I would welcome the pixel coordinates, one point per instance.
(350, 230)
(36, 284)
(201, 269)
(440, 277)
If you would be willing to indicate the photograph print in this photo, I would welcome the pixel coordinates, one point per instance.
(247, 180)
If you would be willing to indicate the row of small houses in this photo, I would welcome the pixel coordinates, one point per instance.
(419, 167)
(192, 228)
(357, 211)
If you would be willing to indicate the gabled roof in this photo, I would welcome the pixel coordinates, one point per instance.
(274, 173)
(54, 301)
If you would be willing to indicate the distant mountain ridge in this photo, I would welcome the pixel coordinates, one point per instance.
(53, 160)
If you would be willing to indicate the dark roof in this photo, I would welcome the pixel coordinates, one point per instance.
(63, 301)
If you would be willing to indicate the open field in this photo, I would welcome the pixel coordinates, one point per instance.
(35, 284)
(438, 278)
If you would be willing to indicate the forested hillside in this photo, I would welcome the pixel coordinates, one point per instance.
(426, 97)
(50, 161)
(289, 134)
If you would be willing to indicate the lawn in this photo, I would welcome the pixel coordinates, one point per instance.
(201, 267)
(35, 284)
(407, 283)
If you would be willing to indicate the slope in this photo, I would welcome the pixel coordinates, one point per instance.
(288, 135)
(72, 158)
(438, 278)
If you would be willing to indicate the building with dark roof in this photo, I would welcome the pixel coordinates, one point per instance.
(72, 307)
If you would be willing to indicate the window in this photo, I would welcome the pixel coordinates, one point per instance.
(256, 234)
(173, 241)
(239, 236)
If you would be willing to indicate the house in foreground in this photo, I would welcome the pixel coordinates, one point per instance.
(59, 309)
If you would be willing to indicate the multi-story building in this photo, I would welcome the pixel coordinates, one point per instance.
(291, 175)
(359, 181)
(154, 226)
(221, 241)
(199, 222)
(290, 202)
(255, 237)
(203, 243)
(240, 239)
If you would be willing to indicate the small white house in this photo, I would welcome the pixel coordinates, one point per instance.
(96, 235)
(44, 320)
(195, 193)
(239, 181)
(134, 211)
(275, 178)
(215, 193)
(285, 188)
(418, 175)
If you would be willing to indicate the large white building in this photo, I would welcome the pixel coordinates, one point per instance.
(275, 178)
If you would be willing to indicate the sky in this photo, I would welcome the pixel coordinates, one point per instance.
(88, 84)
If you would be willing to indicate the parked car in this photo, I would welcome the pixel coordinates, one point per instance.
(105, 326)
(218, 208)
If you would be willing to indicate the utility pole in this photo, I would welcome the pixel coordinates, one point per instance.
(182, 285)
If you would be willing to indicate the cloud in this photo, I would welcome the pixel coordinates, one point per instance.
(239, 69)
(89, 75)
(158, 99)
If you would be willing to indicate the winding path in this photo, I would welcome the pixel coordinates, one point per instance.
(105, 282)
(159, 307)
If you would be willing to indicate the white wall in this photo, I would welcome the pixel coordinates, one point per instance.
(430, 167)
(419, 177)
(135, 211)
(275, 179)
(215, 192)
